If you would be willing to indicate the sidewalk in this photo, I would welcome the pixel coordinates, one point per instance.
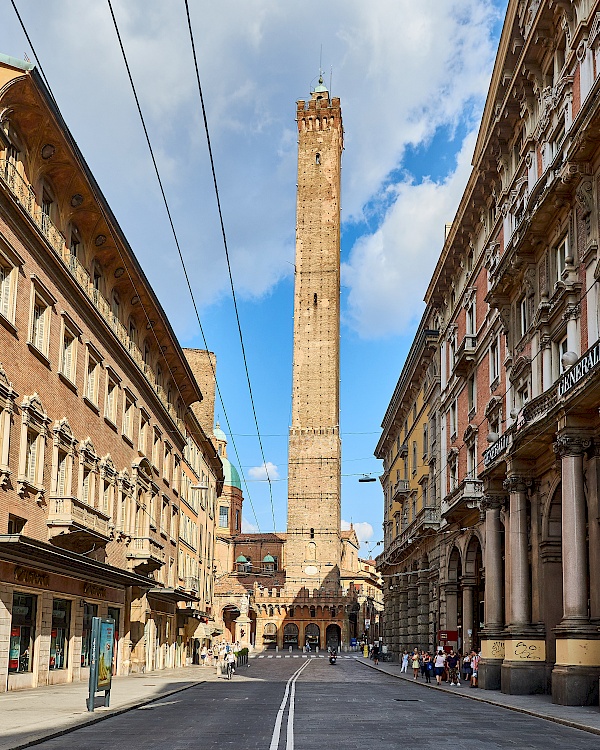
(586, 718)
(30, 716)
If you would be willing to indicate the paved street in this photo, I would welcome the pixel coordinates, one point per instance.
(285, 703)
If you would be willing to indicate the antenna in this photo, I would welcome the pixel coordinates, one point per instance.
(321, 61)
(330, 78)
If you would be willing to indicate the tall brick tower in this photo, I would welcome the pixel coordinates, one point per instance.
(313, 547)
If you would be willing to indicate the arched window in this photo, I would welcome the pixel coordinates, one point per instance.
(318, 159)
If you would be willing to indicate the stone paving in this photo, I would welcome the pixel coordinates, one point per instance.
(47, 711)
(352, 705)
(581, 717)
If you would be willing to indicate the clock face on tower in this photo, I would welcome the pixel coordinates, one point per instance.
(311, 570)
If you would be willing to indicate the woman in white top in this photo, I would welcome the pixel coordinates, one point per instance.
(438, 666)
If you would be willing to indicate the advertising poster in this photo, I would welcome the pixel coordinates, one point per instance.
(105, 656)
(14, 648)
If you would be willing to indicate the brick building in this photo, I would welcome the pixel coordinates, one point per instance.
(108, 484)
(516, 293)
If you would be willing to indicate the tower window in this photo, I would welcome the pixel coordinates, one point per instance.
(312, 533)
(315, 299)
(318, 159)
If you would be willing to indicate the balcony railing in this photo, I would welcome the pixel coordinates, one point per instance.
(427, 518)
(469, 491)
(25, 196)
(191, 584)
(465, 354)
(145, 551)
(68, 514)
(402, 487)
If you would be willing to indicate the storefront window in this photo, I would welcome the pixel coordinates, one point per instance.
(59, 636)
(22, 633)
(89, 611)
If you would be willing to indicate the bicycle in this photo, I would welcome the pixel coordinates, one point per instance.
(230, 670)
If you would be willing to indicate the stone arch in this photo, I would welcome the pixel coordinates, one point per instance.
(291, 635)
(551, 567)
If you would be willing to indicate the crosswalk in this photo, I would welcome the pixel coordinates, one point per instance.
(295, 656)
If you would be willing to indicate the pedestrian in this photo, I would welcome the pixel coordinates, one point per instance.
(428, 668)
(376, 653)
(422, 663)
(415, 664)
(475, 657)
(453, 661)
(438, 666)
(203, 656)
(404, 667)
(466, 667)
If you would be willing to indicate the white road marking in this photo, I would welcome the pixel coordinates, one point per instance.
(270, 657)
(287, 656)
(296, 656)
(278, 656)
(277, 728)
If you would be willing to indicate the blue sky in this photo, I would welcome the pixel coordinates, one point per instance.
(412, 79)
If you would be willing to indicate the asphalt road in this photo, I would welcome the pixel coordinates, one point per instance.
(307, 704)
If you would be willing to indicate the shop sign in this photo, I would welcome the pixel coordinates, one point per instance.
(93, 591)
(585, 365)
(497, 449)
(32, 577)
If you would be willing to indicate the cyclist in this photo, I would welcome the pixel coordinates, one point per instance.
(230, 663)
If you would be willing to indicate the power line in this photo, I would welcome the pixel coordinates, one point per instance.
(464, 445)
(172, 225)
(233, 295)
(110, 230)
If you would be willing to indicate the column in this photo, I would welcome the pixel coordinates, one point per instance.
(524, 667)
(571, 316)
(546, 346)
(402, 615)
(413, 606)
(492, 638)
(468, 587)
(577, 669)
(423, 610)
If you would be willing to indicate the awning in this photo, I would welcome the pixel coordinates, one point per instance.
(26, 551)
(172, 595)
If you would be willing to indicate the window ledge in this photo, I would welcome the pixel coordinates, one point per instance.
(127, 439)
(91, 404)
(495, 383)
(24, 485)
(110, 423)
(8, 324)
(67, 381)
(39, 354)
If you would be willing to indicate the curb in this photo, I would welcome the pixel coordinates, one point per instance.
(527, 711)
(102, 717)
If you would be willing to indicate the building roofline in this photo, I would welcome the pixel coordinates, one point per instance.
(116, 228)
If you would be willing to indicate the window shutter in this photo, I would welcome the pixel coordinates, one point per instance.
(62, 475)
(32, 465)
(4, 291)
(86, 486)
(39, 329)
(67, 356)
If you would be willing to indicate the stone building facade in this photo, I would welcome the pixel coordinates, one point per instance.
(516, 295)
(101, 461)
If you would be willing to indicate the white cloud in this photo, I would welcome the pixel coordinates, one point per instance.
(388, 271)
(264, 472)
(364, 530)
(402, 70)
(248, 527)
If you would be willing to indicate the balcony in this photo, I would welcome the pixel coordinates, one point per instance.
(401, 489)
(191, 584)
(76, 526)
(427, 518)
(145, 554)
(25, 197)
(465, 354)
(465, 497)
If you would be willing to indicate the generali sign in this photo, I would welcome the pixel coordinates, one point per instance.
(585, 365)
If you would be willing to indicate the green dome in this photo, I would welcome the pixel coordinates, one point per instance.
(232, 478)
(241, 559)
(269, 559)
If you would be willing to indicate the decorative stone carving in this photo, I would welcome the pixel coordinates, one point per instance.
(571, 445)
(573, 312)
(493, 502)
(517, 483)
(584, 195)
